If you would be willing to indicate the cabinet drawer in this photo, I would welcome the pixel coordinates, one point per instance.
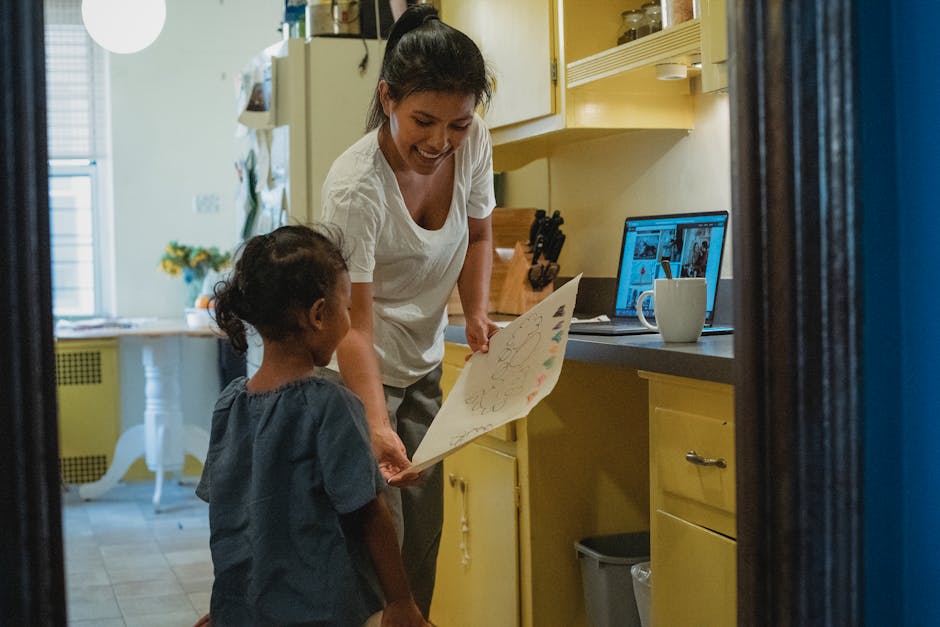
(694, 575)
(702, 494)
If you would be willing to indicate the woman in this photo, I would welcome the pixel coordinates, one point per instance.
(413, 198)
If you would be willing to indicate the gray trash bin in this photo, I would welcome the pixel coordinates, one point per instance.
(606, 578)
(643, 591)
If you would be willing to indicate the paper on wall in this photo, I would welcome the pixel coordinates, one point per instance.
(521, 368)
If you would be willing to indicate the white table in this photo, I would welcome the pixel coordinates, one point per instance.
(163, 439)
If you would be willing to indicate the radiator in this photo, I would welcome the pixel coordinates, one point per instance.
(89, 407)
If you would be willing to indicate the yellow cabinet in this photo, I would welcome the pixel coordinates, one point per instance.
(577, 466)
(478, 561)
(696, 568)
(573, 81)
(692, 498)
(714, 46)
(520, 31)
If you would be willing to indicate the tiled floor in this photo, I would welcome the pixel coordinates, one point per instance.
(128, 566)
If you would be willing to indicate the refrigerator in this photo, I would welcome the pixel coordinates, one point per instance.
(300, 104)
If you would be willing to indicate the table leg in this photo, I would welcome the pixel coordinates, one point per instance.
(163, 439)
(130, 446)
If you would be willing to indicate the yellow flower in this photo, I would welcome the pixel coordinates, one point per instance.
(177, 257)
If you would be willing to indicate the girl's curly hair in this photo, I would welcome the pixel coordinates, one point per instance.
(277, 276)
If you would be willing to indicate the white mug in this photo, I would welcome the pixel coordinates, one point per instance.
(679, 305)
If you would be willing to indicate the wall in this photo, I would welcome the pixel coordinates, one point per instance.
(598, 183)
(173, 122)
(900, 222)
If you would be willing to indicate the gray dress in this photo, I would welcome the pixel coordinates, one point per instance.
(283, 467)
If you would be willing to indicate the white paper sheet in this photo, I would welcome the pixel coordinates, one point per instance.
(521, 368)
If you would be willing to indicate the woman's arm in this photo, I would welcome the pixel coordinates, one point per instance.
(474, 284)
(359, 367)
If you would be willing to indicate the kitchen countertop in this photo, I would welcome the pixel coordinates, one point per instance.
(709, 359)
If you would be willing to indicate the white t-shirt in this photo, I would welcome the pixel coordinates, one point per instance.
(413, 271)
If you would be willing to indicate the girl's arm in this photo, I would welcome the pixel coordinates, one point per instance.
(374, 524)
(359, 367)
(474, 284)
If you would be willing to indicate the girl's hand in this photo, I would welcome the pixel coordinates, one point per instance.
(479, 331)
(403, 613)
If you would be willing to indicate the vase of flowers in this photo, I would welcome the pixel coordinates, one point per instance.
(193, 263)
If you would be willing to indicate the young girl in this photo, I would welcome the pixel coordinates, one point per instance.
(298, 533)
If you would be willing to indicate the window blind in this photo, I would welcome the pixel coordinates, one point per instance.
(76, 85)
(77, 128)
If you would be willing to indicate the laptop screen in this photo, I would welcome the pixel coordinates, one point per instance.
(693, 242)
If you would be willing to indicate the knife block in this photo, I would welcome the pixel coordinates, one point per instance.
(517, 295)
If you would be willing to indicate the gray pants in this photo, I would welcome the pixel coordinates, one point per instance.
(418, 510)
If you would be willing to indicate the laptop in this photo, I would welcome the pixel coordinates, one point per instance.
(693, 242)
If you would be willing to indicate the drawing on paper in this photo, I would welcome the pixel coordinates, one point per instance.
(521, 368)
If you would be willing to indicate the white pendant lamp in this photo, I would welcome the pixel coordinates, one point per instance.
(124, 26)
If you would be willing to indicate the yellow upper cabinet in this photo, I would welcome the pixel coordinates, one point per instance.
(714, 46)
(561, 76)
(516, 40)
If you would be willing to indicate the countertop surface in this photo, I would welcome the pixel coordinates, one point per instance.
(709, 359)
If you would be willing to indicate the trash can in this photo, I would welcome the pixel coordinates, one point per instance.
(642, 590)
(605, 575)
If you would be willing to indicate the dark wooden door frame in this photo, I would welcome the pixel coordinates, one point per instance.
(33, 590)
(797, 375)
(797, 312)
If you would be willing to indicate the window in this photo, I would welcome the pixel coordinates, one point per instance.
(77, 98)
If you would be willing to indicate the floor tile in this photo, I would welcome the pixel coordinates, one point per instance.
(193, 571)
(160, 604)
(200, 601)
(196, 585)
(148, 588)
(136, 574)
(128, 566)
(88, 610)
(176, 619)
(98, 622)
(191, 556)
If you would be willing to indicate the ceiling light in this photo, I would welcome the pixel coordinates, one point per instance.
(124, 26)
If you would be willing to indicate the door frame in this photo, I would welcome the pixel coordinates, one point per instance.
(797, 379)
(798, 312)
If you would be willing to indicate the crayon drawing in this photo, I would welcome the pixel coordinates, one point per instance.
(520, 369)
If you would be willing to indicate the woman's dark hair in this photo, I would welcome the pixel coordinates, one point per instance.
(277, 276)
(425, 54)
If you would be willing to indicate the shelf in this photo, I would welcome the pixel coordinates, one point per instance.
(666, 45)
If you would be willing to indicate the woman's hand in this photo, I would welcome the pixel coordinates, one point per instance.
(479, 331)
(403, 613)
(389, 452)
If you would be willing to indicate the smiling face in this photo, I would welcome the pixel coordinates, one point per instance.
(425, 128)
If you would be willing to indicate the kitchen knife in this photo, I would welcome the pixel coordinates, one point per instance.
(554, 251)
(535, 227)
(538, 248)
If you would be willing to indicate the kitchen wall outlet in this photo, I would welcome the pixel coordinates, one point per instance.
(207, 203)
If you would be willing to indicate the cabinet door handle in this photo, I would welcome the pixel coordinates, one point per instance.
(694, 458)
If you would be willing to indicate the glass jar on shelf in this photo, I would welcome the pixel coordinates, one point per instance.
(674, 12)
(654, 16)
(631, 22)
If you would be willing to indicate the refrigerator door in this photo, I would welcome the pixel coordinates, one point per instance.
(323, 98)
(321, 92)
